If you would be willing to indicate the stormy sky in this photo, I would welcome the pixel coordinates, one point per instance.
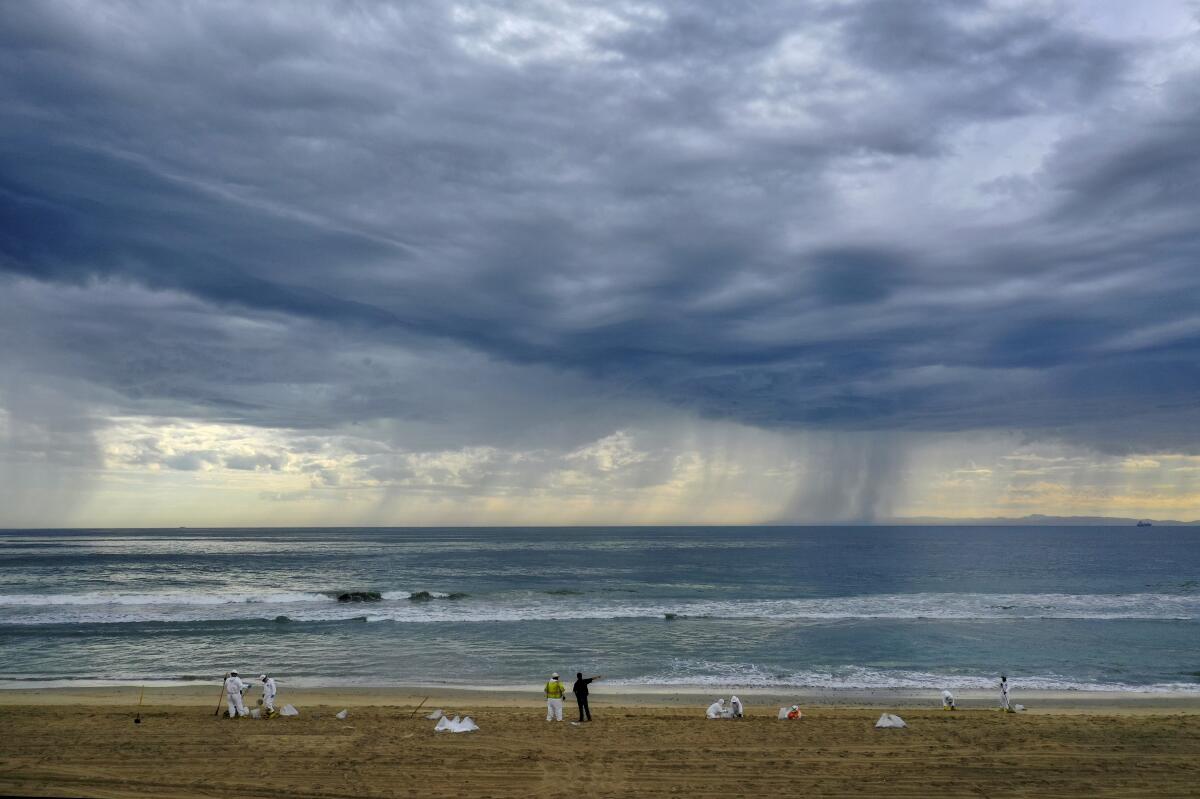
(541, 262)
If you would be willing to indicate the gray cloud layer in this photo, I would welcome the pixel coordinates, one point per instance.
(481, 219)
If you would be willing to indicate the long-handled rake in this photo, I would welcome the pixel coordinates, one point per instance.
(220, 697)
(137, 719)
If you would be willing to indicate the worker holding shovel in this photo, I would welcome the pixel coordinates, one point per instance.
(234, 688)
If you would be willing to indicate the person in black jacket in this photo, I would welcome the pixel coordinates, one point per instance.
(580, 689)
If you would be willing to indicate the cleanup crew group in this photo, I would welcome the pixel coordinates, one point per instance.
(235, 689)
(555, 692)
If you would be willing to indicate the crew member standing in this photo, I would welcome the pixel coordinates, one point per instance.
(1004, 702)
(580, 689)
(233, 695)
(268, 697)
(554, 691)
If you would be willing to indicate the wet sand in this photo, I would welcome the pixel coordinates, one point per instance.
(73, 742)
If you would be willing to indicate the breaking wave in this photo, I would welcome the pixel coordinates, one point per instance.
(203, 599)
(408, 607)
(705, 674)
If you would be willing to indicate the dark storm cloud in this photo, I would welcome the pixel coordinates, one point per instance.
(849, 276)
(982, 64)
(327, 216)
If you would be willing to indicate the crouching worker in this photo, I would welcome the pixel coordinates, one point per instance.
(948, 701)
(268, 697)
(794, 713)
(716, 710)
(736, 710)
(234, 688)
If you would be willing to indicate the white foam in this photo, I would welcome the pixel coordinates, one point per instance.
(691, 675)
(100, 598)
(99, 608)
(709, 674)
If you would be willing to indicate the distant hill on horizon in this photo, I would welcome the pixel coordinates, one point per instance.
(1042, 519)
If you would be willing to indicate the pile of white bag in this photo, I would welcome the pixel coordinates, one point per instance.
(288, 710)
(890, 720)
(456, 725)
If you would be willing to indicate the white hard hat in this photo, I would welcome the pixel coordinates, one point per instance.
(555, 675)
(262, 676)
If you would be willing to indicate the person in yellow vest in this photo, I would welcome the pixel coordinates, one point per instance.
(555, 691)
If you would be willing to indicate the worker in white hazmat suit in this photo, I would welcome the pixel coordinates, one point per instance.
(948, 701)
(234, 688)
(716, 710)
(735, 707)
(268, 697)
(1004, 703)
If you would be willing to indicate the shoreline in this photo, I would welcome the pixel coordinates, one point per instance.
(1036, 701)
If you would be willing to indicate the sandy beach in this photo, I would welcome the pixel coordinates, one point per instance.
(83, 743)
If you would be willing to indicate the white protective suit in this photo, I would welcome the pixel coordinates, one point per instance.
(735, 707)
(233, 696)
(947, 700)
(269, 692)
(1004, 705)
(716, 710)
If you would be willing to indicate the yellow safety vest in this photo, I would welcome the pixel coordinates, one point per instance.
(555, 690)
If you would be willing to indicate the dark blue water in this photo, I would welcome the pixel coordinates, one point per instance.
(1073, 607)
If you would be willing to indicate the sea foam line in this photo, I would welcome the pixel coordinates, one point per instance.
(99, 598)
(846, 677)
(96, 608)
(191, 598)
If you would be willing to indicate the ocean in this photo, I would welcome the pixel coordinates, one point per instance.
(1068, 608)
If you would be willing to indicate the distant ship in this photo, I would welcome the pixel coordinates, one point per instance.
(1145, 523)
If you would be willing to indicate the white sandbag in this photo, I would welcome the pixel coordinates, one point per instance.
(255, 713)
(435, 715)
(783, 711)
(341, 715)
(890, 720)
(456, 724)
(288, 710)
(1018, 708)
